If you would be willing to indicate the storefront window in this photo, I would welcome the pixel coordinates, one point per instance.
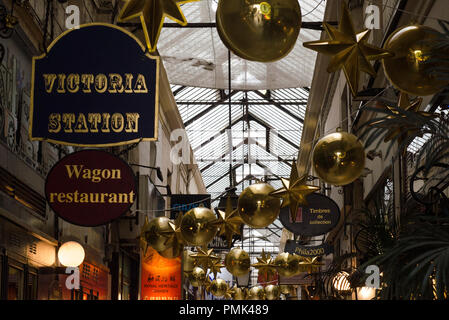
(15, 284)
(31, 286)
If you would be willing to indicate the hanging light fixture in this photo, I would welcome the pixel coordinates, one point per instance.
(341, 282)
(71, 254)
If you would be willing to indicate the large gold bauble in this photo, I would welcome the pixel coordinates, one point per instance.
(196, 226)
(258, 30)
(218, 287)
(256, 207)
(238, 294)
(237, 262)
(272, 292)
(197, 277)
(256, 293)
(287, 264)
(153, 233)
(339, 158)
(409, 70)
(174, 251)
(287, 289)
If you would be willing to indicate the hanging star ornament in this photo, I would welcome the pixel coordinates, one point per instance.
(204, 258)
(174, 235)
(265, 265)
(215, 268)
(401, 129)
(349, 50)
(152, 14)
(294, 191)
(229, 222)
(309, 264)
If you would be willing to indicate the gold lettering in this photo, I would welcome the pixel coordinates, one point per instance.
(49, 80)
(117, 122)
(132, 122)
(84, 198)
(94, 119)
(61, 83)
(73, 83)
(52, 197)
(105, 127)
(115, 83)
(54, 123)
(87, 80)
(74, 169)
(129, 79)
(61, 197)
(68, 119)
(101, 83)
(81, 125)
(140, 86)
(112, 198)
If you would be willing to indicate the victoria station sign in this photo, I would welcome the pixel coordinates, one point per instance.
(95, 87)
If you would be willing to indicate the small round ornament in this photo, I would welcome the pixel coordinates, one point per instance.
(287, 264)
(218, 287)
(154, 233)
(263, 31)
(237, 262)
(197, 226)
(411, 69)
(197, 277)
(287, 289)
(272, 292)
(338, 158)
(256, 293)
(256, 207)
(238, 293)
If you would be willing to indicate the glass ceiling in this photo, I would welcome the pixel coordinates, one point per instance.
(258, 137)
(197, 57)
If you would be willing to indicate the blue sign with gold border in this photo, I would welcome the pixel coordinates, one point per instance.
(96, 87)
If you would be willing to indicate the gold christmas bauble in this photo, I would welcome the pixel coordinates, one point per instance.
(197, 227)
(338, 158)
(238, 294)
(197, 277)
(218, 287)
(272, 292)
(410, 69)
(257, 30)
(287, 289)
(256, 207)
(256, 293)
(153, 233)
(174, 251)
(237, 262)
(287, 264)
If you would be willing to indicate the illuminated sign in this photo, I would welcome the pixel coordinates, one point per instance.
(90, 188)
(292, 246)
(160, 277)
(96, 86)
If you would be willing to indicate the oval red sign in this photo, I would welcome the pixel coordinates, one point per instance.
(90, 188)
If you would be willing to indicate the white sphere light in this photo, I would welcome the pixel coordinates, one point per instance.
(71, 254)
(341, 282)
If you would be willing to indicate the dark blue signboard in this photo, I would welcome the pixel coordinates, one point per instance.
(96, 86)
(185, 202)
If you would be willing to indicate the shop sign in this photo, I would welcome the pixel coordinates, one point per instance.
(185, 202)
(292, 246)
(96, 86)
(320, 217)
(90, 188)
(160, 277)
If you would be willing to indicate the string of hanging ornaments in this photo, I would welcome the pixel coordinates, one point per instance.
(266, 31)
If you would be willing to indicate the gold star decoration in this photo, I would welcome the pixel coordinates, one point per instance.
(308, 264)
(174, 234)
(349, 50)
(397, 129)
(294, 191)
(265, 265)
(142, 240)
(207, 284)
(204, 258)
(152, 14)
(215, 268)
(229, 222)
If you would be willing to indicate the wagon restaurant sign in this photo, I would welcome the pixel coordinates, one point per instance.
(90, 188)
(96, 86)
